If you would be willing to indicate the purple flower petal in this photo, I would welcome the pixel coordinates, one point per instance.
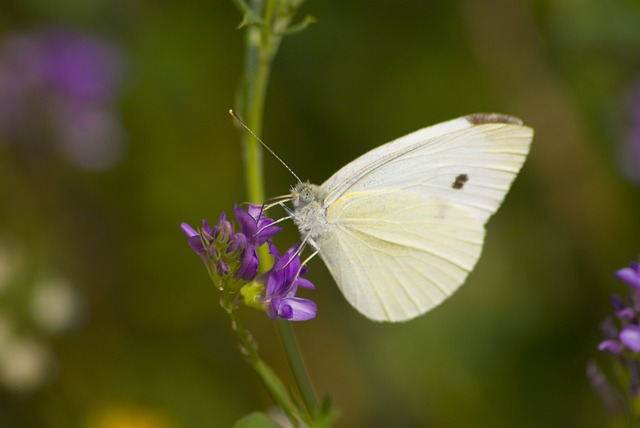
(188, 230)
(193, 238)
(256, 212)
(273, 250)
(248, 265)
(295, 309)
(266, 231)
(610, 346)
(247, 223)
(630, 275)
(305, 283)
(280, 310)
(630, 337)
(255, 225)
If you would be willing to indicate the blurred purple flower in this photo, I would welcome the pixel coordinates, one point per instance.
(623, 343)
(81, 67)
(60, 85)
(283, 281)
(629, 336)
(630, 151)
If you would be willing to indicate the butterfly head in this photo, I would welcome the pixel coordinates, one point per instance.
(309, 212)
(306, 193)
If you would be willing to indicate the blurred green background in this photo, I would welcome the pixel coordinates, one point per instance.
(108, 319)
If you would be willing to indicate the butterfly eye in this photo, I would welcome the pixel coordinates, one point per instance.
(306, 198)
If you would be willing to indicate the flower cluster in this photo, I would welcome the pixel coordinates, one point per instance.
(232, 259)
(628, 337)
(619, 390)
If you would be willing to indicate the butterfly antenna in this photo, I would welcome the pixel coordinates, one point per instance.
(236, 117)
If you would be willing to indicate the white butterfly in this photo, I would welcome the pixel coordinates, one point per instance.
(401, 227)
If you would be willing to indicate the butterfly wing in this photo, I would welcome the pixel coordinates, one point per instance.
(487, 150)
(407, 218)
(397, 254)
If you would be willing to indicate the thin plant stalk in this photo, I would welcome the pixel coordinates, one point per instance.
(267, 22)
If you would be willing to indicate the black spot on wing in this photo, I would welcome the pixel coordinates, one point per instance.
(480, 118)
(459, 182)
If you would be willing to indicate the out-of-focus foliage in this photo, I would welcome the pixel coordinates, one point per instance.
(107, 319)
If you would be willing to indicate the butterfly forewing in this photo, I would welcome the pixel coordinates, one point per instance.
(429, 161)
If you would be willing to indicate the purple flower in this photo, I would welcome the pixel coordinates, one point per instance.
(628, 337)
(81, 67)
(228, 251)
(631, 276)
(282, 284)
(623, 342)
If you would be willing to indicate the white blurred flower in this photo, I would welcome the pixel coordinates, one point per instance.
(24, 364)
(54, 305)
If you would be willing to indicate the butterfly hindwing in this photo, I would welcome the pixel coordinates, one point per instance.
(396, 254)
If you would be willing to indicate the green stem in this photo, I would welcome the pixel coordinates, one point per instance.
(262, 42)
(270, 380)
(297, 366)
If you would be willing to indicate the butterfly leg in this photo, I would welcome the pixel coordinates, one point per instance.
(302, 265)
(271, 224)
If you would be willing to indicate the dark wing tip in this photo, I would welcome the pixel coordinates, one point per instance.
(481, 118)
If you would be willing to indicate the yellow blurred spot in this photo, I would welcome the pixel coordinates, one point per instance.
(130, 417)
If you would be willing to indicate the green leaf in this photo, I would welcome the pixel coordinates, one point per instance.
(300, 26)
(328, 415)
(256, 420)
(249, 16)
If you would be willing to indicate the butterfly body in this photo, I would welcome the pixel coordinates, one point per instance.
(309, 212)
